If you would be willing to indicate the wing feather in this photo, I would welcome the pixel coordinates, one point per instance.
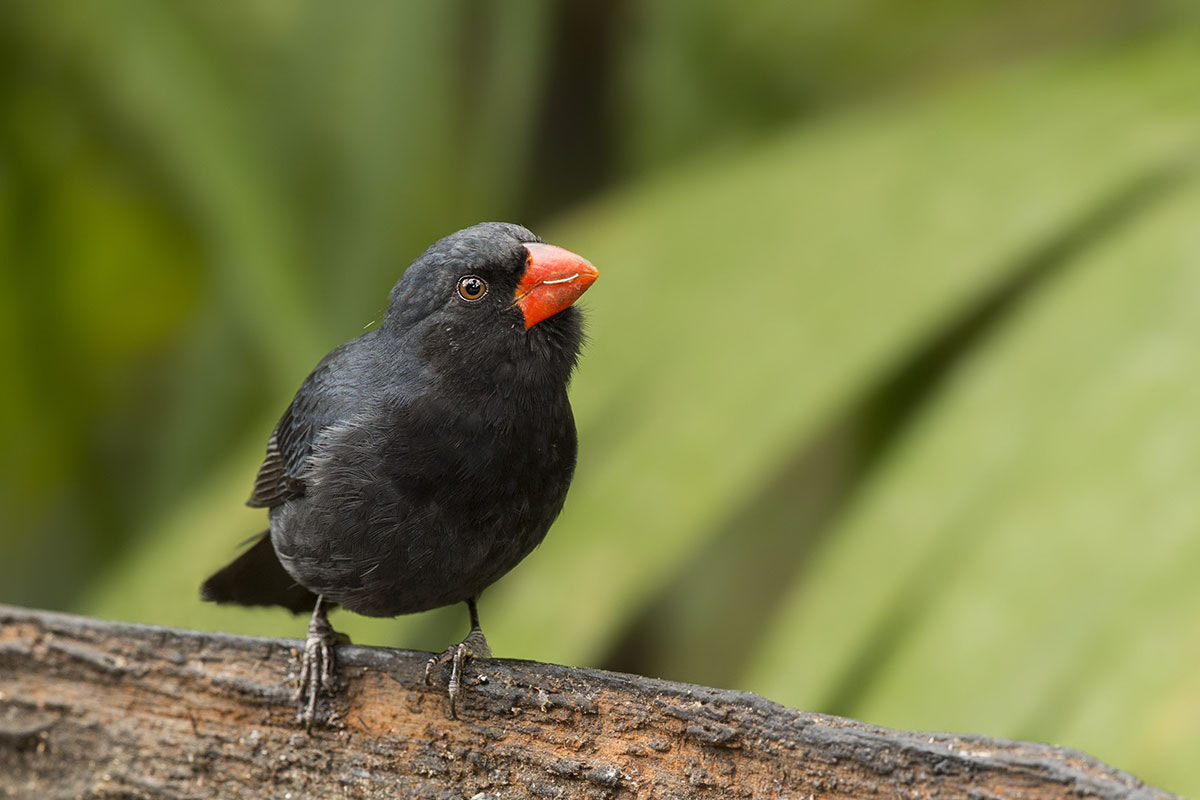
(316, 405)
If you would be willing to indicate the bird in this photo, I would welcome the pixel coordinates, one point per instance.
(422, 460)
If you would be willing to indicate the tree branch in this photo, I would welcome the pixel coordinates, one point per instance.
(99, 709)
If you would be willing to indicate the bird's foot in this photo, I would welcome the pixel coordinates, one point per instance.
(474, 646)
(317, 666)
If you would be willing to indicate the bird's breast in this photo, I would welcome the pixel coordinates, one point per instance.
(425, 504)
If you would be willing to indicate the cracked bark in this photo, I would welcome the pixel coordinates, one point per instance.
(90, 708)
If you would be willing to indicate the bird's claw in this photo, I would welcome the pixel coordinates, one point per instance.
(317, 667)
(474, 646)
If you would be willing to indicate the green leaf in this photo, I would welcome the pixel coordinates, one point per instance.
(1025, 563)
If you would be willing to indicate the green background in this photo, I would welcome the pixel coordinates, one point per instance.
(891, 404)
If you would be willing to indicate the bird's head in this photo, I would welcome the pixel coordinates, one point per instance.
(493, 285)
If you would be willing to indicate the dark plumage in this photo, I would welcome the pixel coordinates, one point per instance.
(421, 461)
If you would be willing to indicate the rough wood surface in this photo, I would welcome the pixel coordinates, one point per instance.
(98, 709)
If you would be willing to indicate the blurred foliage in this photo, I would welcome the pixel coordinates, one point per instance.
(890, 405)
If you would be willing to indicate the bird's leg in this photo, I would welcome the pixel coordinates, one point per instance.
(317, 665)
(474, 646)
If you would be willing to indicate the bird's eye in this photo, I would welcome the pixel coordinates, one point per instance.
(471, 288)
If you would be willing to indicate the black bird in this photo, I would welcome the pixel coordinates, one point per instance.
(421, 461)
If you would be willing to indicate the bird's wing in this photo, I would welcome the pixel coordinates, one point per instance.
(278, 479)
(317, 404)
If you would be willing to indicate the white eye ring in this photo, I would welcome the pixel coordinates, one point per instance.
(472, 288)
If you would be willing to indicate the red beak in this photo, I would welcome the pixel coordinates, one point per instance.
(553, 280)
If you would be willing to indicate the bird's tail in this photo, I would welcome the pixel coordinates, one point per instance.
(256, 578)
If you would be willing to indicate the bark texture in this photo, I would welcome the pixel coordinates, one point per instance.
(98, 709)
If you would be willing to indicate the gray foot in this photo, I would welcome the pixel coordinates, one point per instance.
(474, 646)
(317, 666)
